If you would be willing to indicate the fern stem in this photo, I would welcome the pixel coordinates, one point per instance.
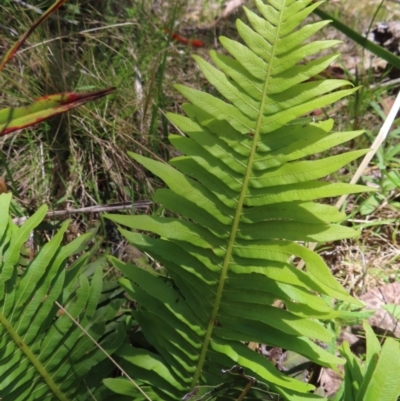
(236, 220)
(32, 358)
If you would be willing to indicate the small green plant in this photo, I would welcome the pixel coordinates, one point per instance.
(374, 378)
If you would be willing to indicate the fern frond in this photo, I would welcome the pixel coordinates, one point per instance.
(44, 355)
(246, 192)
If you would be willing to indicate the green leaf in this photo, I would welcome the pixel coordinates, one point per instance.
(384, 384)
(393, 309)
(378, 379)
(13, 119)
(5, 201)
(353, 377)
(371, 360)
(373, 345)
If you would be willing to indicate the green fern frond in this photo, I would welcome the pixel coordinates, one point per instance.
(246, 192)
(44, 354)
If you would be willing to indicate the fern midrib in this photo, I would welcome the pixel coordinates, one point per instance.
(236, 220)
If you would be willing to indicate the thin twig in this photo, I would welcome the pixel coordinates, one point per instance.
(90, 209)
(384, 84)
(104, 351)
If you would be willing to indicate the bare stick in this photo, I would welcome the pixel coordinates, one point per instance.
(90, 209)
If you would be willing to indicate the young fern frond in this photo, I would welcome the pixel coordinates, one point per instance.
(246, 192)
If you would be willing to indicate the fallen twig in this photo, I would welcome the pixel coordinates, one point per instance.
(90, 209)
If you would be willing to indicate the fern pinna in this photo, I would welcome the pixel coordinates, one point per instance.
(246, 193)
